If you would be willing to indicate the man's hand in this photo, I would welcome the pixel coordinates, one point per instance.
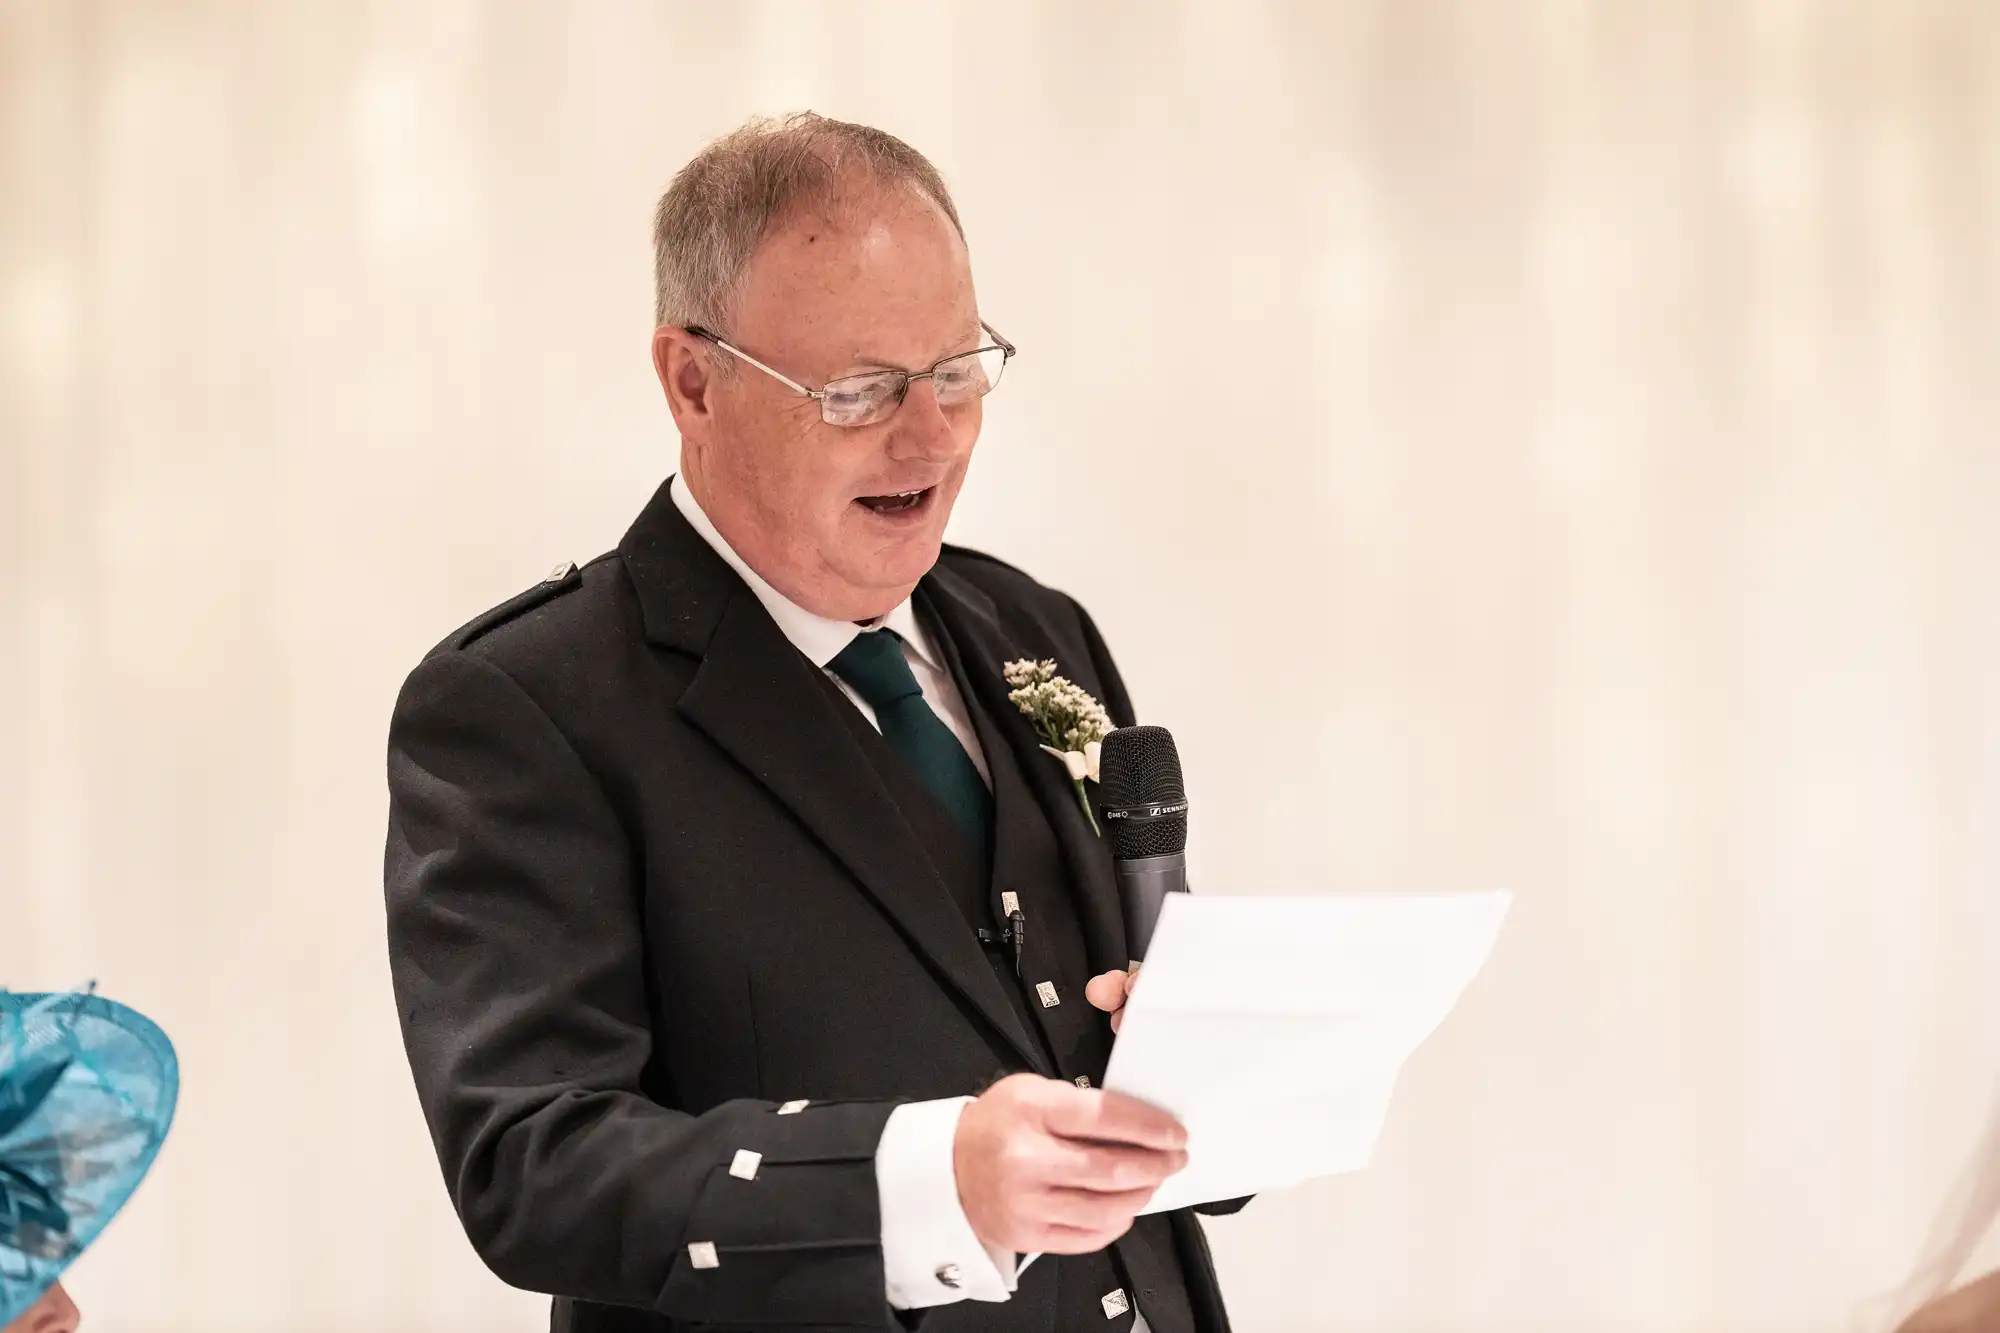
(1108, 990)
(1045, 1167)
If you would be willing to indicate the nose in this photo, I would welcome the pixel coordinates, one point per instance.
(922, 430)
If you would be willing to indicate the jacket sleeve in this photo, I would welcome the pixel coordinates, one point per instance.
(515, 945)
(1118, 703)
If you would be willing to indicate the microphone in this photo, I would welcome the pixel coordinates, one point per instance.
(1145, 820)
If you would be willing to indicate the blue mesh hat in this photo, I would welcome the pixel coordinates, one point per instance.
(87, 1090)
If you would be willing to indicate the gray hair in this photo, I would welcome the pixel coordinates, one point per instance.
(720, 204)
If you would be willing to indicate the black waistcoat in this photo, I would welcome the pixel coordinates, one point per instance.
(1073, 1039)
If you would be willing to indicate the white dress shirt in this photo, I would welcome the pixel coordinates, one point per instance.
(925, 1235)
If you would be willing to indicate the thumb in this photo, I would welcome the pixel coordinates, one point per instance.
(1106, 990)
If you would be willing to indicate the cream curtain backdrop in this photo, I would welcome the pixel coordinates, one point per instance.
(1540, 445)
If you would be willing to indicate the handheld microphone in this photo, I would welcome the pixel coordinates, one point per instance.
(1145, 820)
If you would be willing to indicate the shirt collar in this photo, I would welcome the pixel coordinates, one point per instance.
(817, 637)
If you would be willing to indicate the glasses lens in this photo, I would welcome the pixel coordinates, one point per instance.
(964, 378)
(860, 400)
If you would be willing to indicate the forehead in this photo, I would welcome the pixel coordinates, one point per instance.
(876, 273)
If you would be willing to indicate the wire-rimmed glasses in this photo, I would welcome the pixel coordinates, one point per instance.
(863, 400)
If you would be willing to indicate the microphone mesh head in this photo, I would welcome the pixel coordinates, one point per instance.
(1140, 766)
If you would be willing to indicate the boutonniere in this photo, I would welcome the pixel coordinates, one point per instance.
(1071, 723)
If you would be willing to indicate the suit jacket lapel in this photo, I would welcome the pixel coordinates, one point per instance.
(979, 644)
(754, 695)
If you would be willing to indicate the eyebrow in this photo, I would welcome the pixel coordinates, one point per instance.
(978, 340)
(870, 364)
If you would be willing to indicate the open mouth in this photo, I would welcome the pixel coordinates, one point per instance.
(902, 502)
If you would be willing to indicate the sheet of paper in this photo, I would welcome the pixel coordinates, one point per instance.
(1274, 1028)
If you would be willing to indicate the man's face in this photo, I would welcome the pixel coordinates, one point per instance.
(842, 520)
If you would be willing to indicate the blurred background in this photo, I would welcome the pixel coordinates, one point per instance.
(1542, 445)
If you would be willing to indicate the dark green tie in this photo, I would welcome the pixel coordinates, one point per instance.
(874, 665)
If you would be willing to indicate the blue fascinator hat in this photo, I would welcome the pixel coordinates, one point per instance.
(87, 1091)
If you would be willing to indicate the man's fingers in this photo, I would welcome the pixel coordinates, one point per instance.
(1045, 1165)
(1107, 990)
(1111, 1117)
(1088, 1211)
(1107, 1168)
(1076, 1240)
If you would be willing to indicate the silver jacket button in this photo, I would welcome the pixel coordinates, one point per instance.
(947, 1274)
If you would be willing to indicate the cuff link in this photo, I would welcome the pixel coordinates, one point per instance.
(1083, 1080)
(745, 1165)
(793, 1108)
(701, 1253)
(1047, 990)
(1114, 1303)
(561, 572)
(947, 1275)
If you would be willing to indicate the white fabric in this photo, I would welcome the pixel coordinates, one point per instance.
(923, 1224)
(1963, 1220)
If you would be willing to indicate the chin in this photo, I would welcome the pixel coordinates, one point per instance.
(904, 567)
(887, 550)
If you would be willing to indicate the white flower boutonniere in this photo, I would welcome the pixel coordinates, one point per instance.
(1071, 723)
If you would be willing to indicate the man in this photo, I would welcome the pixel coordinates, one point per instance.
(721, 873)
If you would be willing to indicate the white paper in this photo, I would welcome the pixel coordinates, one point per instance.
(1274, 1028)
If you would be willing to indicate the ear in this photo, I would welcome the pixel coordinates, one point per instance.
(681, 360)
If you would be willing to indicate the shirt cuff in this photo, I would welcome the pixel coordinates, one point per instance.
(930, 1255)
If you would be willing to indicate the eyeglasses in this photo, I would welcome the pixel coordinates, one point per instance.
(863, 400)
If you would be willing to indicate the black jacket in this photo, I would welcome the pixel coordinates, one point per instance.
(645, 886)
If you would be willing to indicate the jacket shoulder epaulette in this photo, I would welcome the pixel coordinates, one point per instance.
(566, 577)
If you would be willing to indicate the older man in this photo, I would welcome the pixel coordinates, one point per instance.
(745, 943)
